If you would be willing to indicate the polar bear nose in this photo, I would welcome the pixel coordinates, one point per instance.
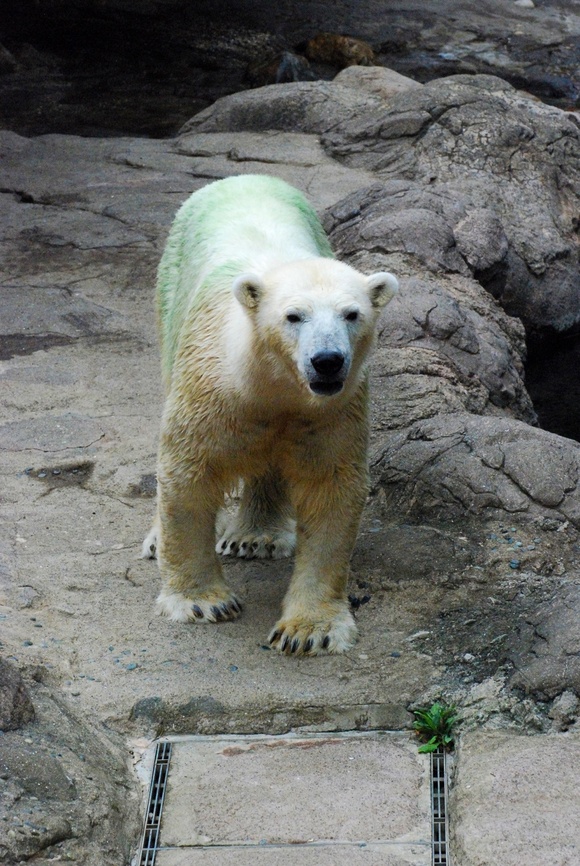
(327, 363)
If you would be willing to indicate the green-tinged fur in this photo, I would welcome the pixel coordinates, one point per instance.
(242, 214)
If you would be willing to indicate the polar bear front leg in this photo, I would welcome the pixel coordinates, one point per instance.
(316, 615)
(194, 589)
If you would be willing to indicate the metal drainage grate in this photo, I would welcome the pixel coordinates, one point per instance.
(439, 826)
(155, 804)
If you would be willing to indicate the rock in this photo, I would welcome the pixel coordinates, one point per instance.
(38, 774)
(302, 106)
(544, 648)
(460, 464)
(487, 163)
(65, 783)
(564, 710)
(8, 62)
(16, 708)
(375, 80)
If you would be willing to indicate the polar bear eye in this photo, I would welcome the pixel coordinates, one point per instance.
(352, 316)
(293, 318)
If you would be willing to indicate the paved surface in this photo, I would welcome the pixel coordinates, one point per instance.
(329, 799)
(516, 800)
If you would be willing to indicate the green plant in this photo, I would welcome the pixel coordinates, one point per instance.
(434, 726)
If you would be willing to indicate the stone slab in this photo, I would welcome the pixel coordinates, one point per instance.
(305, 799)
(516, 799)
(327, 855)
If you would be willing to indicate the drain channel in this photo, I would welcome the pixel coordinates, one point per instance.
(439, 825)
(155, 804)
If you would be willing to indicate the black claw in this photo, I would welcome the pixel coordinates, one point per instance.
(271, 547)
(216, 612)
(255, 545)
(308, 645)
(243, 545)
(151, 548)
(234, 547)
(197, 610)
(295, 644)
(274, 637)
(224, 544)
(325, 642)
(225, 609)
(285, 644)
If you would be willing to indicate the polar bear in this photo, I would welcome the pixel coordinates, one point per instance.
(265, 341)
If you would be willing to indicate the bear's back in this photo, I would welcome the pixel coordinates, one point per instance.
(235, 225)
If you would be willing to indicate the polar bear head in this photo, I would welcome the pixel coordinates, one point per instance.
(317, 318)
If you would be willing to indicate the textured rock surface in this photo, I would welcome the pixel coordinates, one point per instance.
(66, 793)
(16, 708)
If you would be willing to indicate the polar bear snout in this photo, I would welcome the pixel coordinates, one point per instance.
(327, 363)
(328, 372)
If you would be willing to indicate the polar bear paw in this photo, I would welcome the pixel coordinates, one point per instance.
(211, 606)
(311, 636)
(257, 545)
(149, 546)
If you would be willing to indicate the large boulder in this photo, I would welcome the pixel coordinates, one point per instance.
(480, 179)
(499, 179)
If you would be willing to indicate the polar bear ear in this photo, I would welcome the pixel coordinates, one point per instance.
(248, 289)
(382, 288)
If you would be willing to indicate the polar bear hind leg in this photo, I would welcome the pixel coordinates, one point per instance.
(264, 527)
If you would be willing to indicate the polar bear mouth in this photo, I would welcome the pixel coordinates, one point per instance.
(326, 389)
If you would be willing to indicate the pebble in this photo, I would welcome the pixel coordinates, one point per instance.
(514, 563)
(26, 643)
(131, 666)
(233, 668)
